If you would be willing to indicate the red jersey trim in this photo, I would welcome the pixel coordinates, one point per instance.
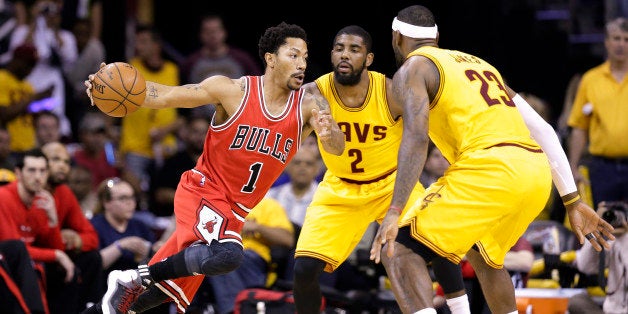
(172, 290)
(237, 114)
(241, 211)
(299, 113)
(267, 114)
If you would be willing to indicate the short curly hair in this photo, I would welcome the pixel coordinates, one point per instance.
(275, 36)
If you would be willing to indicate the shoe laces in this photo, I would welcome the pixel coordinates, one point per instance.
(129, 297)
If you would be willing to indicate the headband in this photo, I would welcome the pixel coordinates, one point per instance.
(414, 31)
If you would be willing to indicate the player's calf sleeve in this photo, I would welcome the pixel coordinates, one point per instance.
(307, 292)
(215, 259)
(148, 300)
(448, 275)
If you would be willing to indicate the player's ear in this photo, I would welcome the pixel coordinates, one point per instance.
(396, 38)
(369, 59)
(270, 59)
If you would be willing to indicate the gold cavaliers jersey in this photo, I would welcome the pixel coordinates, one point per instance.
(471, 110)
(372, 135)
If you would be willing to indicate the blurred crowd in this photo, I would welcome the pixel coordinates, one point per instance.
(87, 194)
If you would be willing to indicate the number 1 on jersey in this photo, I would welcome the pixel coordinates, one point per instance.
(254, 169)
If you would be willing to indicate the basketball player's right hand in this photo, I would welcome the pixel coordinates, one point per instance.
(386, 235)
(322, 124)
(88, 85)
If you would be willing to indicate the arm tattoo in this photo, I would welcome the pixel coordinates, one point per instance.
(152, 92)
(321, 103)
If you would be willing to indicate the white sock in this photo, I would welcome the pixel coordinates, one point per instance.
(426, 311)
(459, 305)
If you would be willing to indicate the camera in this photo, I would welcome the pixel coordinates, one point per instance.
(616, 213)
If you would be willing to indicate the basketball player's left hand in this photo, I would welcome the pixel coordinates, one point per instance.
(386, 235)
(321, 121)
(88, 84)
(585, 220)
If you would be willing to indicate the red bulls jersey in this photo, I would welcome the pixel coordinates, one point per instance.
(246, 154)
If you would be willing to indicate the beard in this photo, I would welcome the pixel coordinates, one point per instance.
(57, 179)
(352, 78)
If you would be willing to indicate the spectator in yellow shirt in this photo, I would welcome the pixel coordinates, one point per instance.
(15, 96)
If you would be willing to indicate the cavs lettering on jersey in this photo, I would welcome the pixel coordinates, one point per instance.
(372, 135)
(471, 118)
(247, 153)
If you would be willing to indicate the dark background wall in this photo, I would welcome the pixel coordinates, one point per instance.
(533, 55)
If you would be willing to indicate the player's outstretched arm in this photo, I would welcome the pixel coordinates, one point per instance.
(583, 219)
(316, 111)
(210, 91)
(213, 90)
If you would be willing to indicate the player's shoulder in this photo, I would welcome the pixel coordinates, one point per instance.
(312, 95)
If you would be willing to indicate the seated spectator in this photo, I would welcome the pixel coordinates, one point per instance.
(266, 225)
(295, 196)
(80, 182)
(47, 128)
(588, 262)
(310, 142)
(79, 237)
(124, 241)
(19, 288)
(90, 151)
(28, 212)
(165, 180)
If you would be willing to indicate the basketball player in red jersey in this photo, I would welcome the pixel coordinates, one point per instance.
(257, 128)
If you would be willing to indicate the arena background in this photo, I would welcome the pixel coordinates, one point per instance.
(537, 45)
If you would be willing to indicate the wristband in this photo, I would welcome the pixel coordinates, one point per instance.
(395, 209)
(573, 200)
(117, 243)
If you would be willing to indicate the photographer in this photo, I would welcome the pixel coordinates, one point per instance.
(588, 261)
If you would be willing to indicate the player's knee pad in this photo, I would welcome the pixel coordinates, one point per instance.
(307, 269)
(215, 259)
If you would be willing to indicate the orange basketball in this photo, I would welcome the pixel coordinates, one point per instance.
(118, 89)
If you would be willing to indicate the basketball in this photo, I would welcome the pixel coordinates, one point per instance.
(118, 89)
